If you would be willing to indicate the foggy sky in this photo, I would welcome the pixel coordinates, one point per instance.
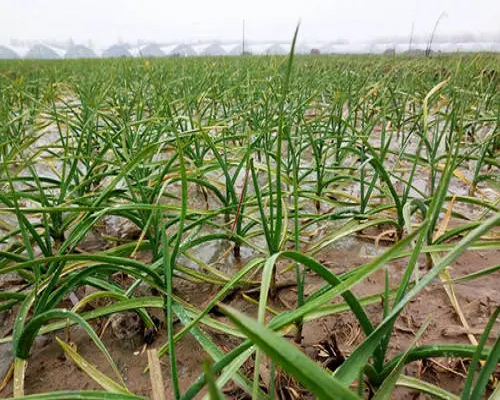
(106, 21)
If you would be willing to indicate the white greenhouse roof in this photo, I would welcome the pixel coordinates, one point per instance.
(278, 49)
(116, 51)
(235, 49)
(43, 51)
(183, 50)
(302, 49)
(200, 47)
(148, 50)
(8, 53)
(213, 49)
(19, 50)
(167, 49)
(80, 51)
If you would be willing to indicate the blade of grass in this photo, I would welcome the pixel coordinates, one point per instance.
(102, 380)
(290, 358)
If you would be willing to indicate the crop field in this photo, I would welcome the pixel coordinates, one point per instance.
(308, 227)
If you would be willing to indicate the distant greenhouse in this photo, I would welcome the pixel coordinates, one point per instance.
(234, 49)
(257, 49)
(80, 51)
(302, 49)
(276, 49)
(151, 50)
(471, 47)
(327, 49)
(167, 49)
(183, 50)
(444, 47)
(351, 48)
(45, 50)
(199, 48)
(116, 51)
(213, 50)
(40, 51)
(7, 54)
(358, 48)
(410, 48)
(492, 46)
(384, 48)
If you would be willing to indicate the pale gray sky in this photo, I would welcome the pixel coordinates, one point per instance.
(105, 21)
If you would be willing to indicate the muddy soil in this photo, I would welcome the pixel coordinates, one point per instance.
(48, 369)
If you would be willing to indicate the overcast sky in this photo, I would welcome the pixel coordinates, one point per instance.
(106, 21)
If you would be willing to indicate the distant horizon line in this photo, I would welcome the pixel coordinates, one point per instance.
(130, 45)
(46, 51)
(463, 37)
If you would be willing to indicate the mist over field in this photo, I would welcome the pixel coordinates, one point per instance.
(101, 24)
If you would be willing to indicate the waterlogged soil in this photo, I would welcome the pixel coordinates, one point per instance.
(49, 370)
